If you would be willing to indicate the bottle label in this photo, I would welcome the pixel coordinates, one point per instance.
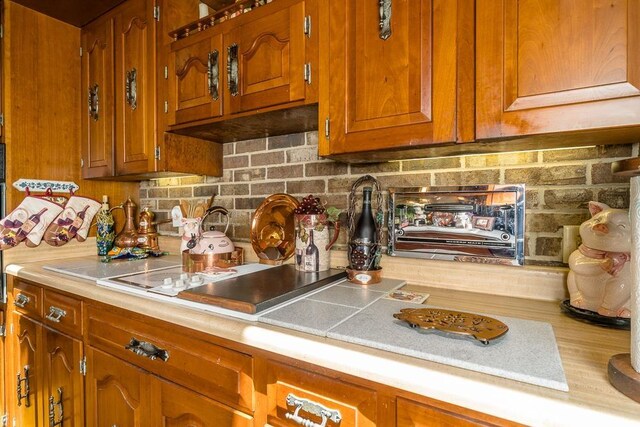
(309, 263)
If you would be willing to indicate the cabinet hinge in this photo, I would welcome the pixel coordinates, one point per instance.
(166, 107)
(81, 162)
(157, 153)
(83, 366)
(1, 31)
(11, 329)
(327, 128)
(156, 13)
(4, 420)
(3, 331)
(307, 26)
(307, 73)
(166, 72)
(1, 119)
(81, 52)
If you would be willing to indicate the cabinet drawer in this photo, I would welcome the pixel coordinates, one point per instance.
(297, 397)
(62, 312)
(415, 414)
(214, 371)
(27, 299)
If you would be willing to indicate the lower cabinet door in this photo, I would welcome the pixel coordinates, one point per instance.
(117, 393)
(181, 407)
(27, 378)
(64, 392)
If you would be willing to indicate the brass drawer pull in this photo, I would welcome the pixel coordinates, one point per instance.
(312, 408)
(131, 88)
(55, 314)
(232, 69)
(52, 410)
(27, 389)
(94, 102)
(147, 350)
(21, 300)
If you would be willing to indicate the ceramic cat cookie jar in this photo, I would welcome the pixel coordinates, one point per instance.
(600, 273)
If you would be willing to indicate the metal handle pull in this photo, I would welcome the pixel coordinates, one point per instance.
(385, 19)
(131, 88)
(147, 350)
(94, 102)
(312, 408)
(21, 301)
(55, 314)
(52, 410)
(232, 69)
(27, 389)
(213, 72)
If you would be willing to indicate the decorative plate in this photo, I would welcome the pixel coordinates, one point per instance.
(273, 229)
(482, 328)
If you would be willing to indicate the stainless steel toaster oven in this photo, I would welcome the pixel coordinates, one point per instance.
(480, 223)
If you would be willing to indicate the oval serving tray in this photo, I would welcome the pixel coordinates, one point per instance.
(482, 328)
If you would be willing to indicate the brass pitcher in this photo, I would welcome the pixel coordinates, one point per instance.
(128, 237)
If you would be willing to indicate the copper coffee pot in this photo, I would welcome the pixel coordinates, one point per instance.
(128, 237)
(147, 231)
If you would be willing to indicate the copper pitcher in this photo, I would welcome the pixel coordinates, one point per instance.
(128, 237)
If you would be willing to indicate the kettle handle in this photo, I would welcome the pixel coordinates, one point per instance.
(120, 206)
(212, 210)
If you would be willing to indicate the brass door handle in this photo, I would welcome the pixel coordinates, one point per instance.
(27, 388)
(52, 410)
(313, 408)
(94, 102)
(385, 19)
(146, 349)
(232, 69)
(213, 73)
(131, 88)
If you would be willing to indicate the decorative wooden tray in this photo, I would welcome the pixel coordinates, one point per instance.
(482, 328)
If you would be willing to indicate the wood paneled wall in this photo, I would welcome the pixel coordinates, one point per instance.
(42, 104)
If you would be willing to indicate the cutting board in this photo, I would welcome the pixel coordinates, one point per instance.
(255, 292)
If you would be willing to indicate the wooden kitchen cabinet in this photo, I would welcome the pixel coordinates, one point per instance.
(388, 91)
(46, 380)
(97, 43)
(265, 59)
(196, 66)
(547, 66)
(117, 393)
(126, 97)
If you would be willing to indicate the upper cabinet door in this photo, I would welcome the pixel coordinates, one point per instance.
(556, 65)
(97, 90)
(135, 88)
(392, 75)
(196, 76)
(265, 59)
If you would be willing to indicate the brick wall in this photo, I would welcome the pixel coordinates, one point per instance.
(559, 183)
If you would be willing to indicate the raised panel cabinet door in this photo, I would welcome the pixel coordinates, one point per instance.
(548, 66)
(196, 77)
(265, 60)
(181, 407)
(135, 88)
(116, 392)
(64, 392)
(97, 106)
(26, 368)
(392, 75)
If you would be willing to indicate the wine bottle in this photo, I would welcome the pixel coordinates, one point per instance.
(105, 233)
(77, 223)
(29, 225)
(365, 235)
(312, 255)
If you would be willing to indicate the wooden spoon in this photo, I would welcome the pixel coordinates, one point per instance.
(199, 210)
(185, 207)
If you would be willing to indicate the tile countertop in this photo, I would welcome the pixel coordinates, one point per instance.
(585, 351)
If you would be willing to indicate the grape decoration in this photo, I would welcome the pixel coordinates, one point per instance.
(309, 206)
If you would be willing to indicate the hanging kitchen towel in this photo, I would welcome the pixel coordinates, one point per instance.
(28, 221)
(73, 221)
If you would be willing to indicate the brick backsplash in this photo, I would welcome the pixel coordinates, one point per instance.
(560, 183)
